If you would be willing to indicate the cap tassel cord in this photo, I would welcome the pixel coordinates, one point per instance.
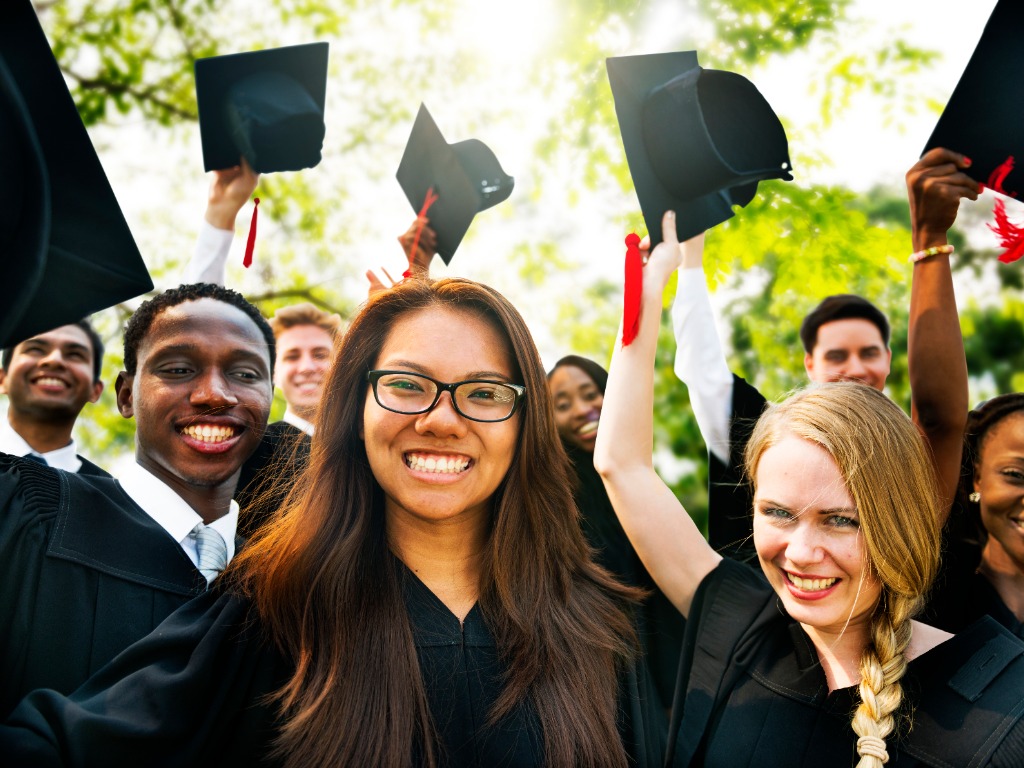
(430, 199)
(634, 284)
(251, 242)
(1010, 235)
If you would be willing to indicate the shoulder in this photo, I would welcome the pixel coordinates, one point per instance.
(88, 468)
(974, 679)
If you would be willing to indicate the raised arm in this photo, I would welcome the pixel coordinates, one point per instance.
(700, 362)
(230, 189)
(669, 544)
(935, 348)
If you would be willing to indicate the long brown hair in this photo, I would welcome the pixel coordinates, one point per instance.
(327, 590)
(886, 467)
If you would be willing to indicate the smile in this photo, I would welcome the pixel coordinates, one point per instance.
(810, 585)
(440, 465)
(50, 381)
(209, 433)
(587, 429)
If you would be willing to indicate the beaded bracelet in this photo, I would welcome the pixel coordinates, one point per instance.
(933, 251)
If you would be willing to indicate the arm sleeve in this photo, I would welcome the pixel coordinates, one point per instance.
(191, 693)
(209, 262)
(700, 362)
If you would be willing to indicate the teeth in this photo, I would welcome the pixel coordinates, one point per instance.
(810, 585)
(447, 465)
(209, 433)
(49, 382)
(586, 429)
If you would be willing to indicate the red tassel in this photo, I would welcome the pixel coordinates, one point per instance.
(998, 176)
(430, 199)
(1011, 236)
(251, 242)
(634, 284)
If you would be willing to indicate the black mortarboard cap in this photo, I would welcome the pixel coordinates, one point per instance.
(465, 176)
(65, 246)
(984, 118)
(267, 106)
(697, 140)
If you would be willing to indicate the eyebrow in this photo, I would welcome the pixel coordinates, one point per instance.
(417, 368)
(176, 349)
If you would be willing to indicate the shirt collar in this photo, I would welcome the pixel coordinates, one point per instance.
(12, 443)
(169, 510)
(297, 421)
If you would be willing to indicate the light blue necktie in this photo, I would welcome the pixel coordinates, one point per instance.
(213, 552)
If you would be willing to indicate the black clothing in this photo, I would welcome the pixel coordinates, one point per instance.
(730, 497)
(658, 621)
(752, 690)
(85, 573)
(88, 468)
(193, 693)
(269, 474)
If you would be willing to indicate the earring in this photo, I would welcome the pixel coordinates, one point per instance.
(974, 496)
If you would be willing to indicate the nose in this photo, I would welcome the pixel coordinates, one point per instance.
(307, 363)
(803, 546)
(213, 390)
(442, 420)
(855, 368)
(53, 358)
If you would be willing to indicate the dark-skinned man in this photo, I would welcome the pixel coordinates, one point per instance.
(91, 564)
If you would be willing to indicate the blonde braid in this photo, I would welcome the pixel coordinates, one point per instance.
(881, 668)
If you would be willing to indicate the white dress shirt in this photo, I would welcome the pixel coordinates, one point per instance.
(209, 261)
(700, 362)
(297, 421)
(174, 515)
(12, 443)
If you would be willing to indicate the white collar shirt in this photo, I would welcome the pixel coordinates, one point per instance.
(12, 443)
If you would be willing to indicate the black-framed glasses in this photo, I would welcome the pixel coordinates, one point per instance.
(475, 399)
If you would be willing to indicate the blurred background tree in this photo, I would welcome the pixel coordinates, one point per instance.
(529, 80)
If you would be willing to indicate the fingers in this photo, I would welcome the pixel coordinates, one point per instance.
(668, 228)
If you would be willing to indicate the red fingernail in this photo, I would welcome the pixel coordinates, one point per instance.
(967, 160)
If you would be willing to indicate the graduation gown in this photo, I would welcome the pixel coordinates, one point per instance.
(752, 691)
(85, 573)
(194, 693)
(269, 474)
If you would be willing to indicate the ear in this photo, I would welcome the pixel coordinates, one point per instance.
(97, 390)
(809, 365)
(123, 388)
(3, 382)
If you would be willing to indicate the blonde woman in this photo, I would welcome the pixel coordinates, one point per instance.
(814, 659)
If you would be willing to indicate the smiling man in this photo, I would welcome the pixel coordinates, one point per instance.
(48, 380)
(91, 564)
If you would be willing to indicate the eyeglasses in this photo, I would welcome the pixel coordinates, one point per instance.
(475, 399)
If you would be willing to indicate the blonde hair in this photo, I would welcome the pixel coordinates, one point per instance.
(889, 474)
(306, 314)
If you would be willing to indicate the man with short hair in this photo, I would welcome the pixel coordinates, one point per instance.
(91, 564)
(48, 379)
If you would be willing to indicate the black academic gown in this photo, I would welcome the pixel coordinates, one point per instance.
(269, 474)
(195, 693)
(85, 573)
(730, 497)
(659, 623)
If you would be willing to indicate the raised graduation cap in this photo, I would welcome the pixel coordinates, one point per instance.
(697, 140)
(267, 106)
(465, 176)
(984, 118)
(65, 245)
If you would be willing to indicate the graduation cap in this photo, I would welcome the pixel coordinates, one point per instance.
(465, 177)
(67, 251)
(697, 140)
(984, 118)
(267, 106)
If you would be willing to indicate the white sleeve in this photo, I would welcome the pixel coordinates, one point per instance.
(700, 362)
(209, 262)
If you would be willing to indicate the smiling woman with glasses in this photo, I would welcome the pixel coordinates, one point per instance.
(426, 597)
